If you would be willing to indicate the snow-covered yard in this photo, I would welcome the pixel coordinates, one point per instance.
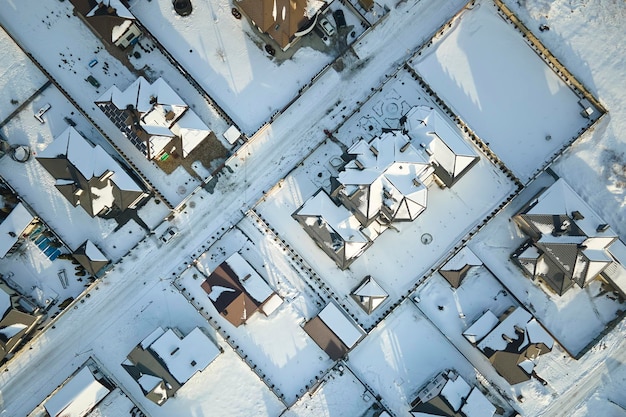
(339, 393)
(402, 354)
(289, 359)
(492, 78)
(451, 212)
(226, 57)
(578, 316)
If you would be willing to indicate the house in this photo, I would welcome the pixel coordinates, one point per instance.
(568, 242)
(456, 269)
(18, 318)
(91, 258)
(88, 176)
(15, 227)
(110, 20)
(369, 295)
(237, 291)
(383, 181)
(78, 395)
(512, 343)
(334, 331)
(449, 395)
(154, 118)
(285, 21)
(450, 155)
(335, 230)
(165, 360)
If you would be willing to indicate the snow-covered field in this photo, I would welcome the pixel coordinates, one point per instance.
(405, 349)
(487, 73)
(19, 77)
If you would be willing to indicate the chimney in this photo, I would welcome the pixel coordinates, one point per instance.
(507, 338)
(405, 147)
(577, 215)
(374, 150)
(602, 228)
(359, 165)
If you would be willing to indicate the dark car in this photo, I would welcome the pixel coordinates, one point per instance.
(92, 80)
(340, 19)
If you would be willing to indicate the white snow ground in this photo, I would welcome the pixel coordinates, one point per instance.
(586, 35)
(487, 73)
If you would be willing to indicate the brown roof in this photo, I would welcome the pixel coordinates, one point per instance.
(11, 318)
(103, 20)
(235, 305)
(455, 276)
(263, 13)
(325, 338)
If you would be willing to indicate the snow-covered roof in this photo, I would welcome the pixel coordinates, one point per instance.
(455, 391)
(443, 144)
(162, 114)
(494, 341)
(93, 252)
(12, 227)
(477, 405)
(92, 162)
(462, 258)
(120, 9)
(77, 397)
(370, 295)
(232, 134)
(481, 327)
(184, 357)
(341, 325)
(338, 219)
(271, 304)
(250, 280)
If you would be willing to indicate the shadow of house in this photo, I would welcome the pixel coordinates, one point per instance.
(88, 176)
(568, 242)
(110, 20)
(237, 291)
(18, 319)
(449, 395)
(285, 21)
(512, 343)
(165, 360)
(154, 118)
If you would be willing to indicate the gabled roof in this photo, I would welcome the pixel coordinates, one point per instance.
(160, 113)
(13, 226)
(228, 296)
(334, 331)
(452, 155)
(90, 257)
(512, 344)
(392, 174)
(87, 174)
(77, 397)
(280, 19)
(369, 295)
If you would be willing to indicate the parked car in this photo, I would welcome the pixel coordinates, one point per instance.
(92, 80)
(340, 19)
(327, 27)
(169, 234)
